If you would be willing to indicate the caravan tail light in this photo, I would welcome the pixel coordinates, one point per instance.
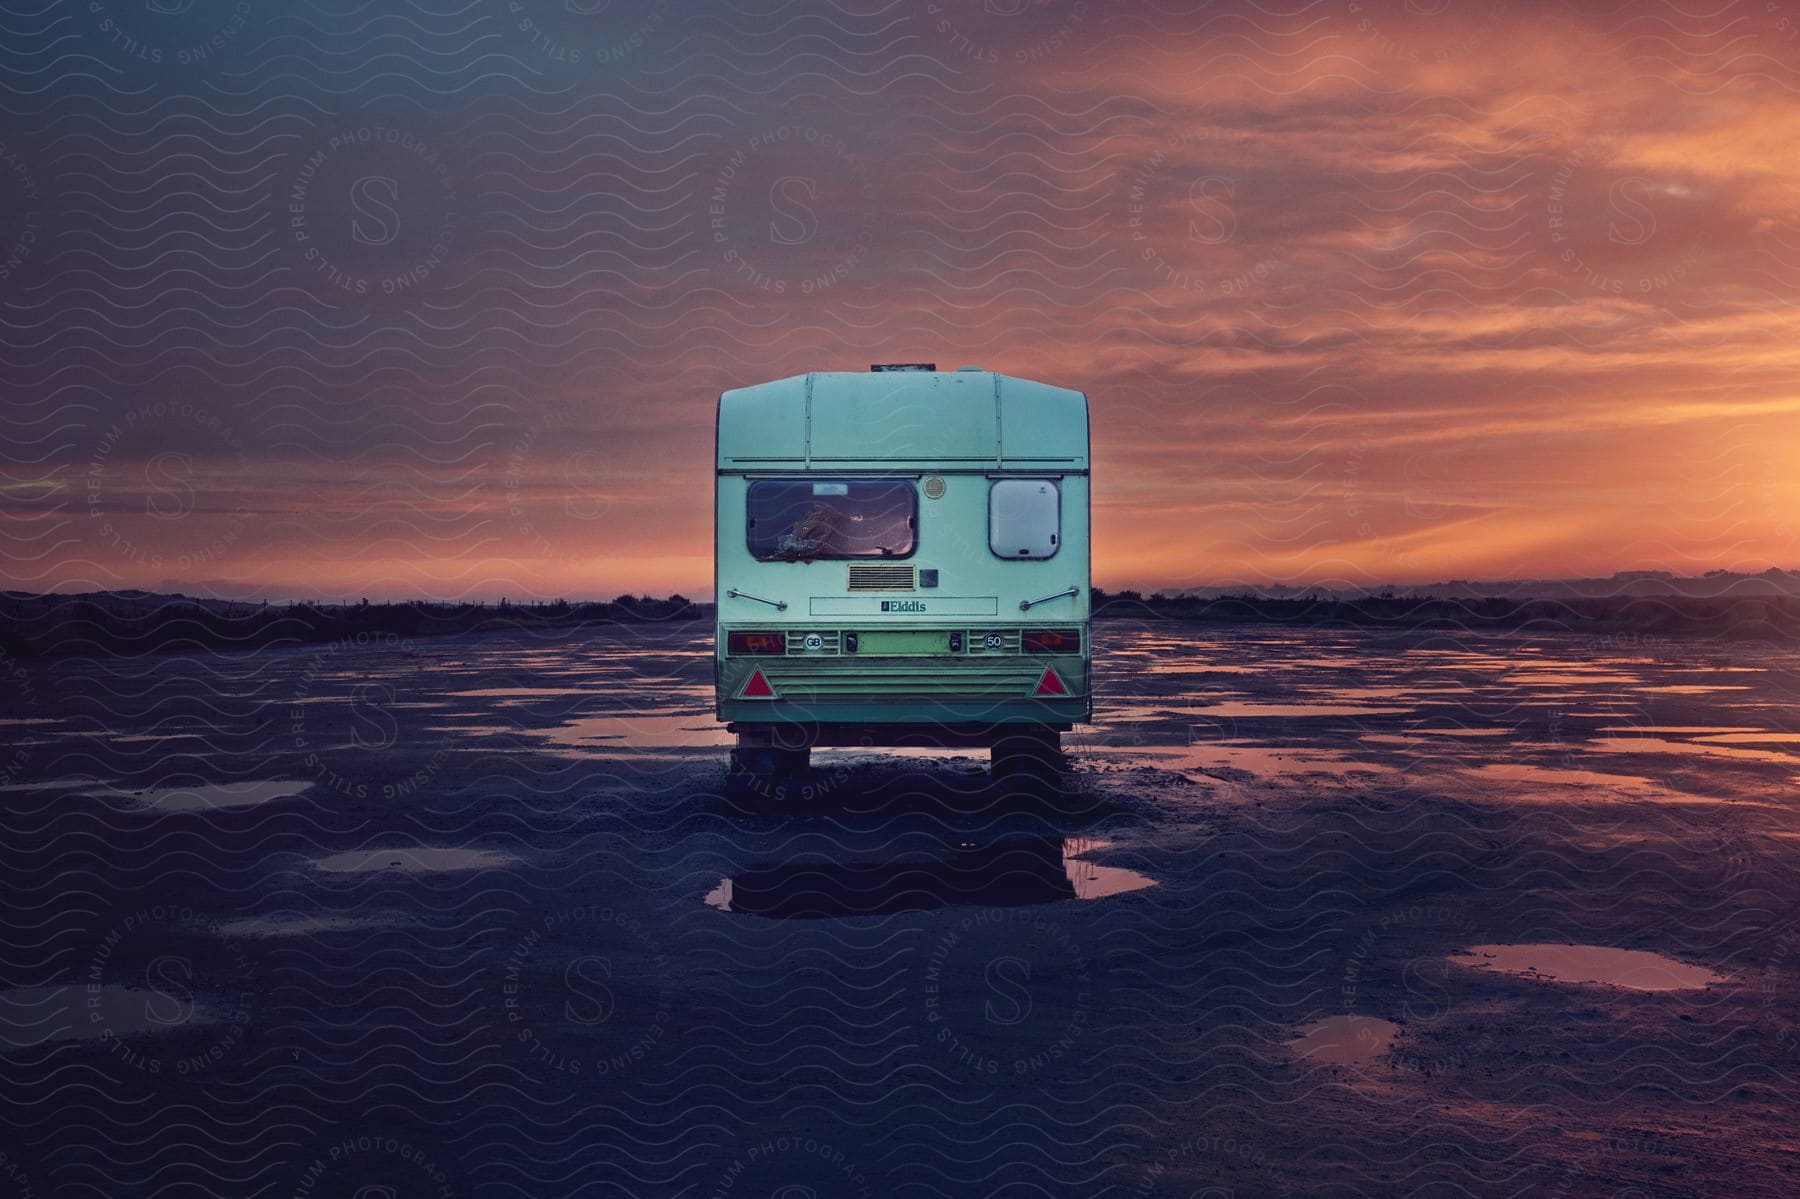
(755, 643)
(1050, 641)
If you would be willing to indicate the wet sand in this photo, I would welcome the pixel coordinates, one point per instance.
(469, 916)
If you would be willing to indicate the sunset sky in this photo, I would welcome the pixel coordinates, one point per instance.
(436, 299)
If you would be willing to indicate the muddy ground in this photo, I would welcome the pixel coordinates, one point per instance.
(469, 916)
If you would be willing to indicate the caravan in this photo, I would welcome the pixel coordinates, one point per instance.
(901, 558)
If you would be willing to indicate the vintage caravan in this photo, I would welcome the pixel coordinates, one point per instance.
(901, 558)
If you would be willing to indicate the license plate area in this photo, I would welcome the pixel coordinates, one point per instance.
(903, 642)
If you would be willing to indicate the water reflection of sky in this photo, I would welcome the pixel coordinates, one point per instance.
(1522, 720)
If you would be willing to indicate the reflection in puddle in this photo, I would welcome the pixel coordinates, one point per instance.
(1658, 745)
(294, 926)
(1636, 969)
(1755, 738)
(1158, 668)
(1013, 873)
(1262, 760)
(667, 730)
(49, 785)
(1463, 732)
(472, 730)
(413, 859)
(1688, 729)
(1345, 1040)
(1524, 772)
(33, 1016)
(1694, 688)
(847, 756)
(203, 797)
(1237, 710)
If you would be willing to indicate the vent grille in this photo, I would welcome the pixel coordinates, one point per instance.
(881, 578)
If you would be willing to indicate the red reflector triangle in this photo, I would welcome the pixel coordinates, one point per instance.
(757, 687)
(1050, 683)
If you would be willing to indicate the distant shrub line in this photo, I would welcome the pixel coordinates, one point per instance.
(119, 623)
(116, 623)
(1736, 617)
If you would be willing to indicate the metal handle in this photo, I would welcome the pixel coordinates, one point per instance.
(778, 605)
(1028, 605)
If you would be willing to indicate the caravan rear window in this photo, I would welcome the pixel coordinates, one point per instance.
(1024, 518)
(800, 520)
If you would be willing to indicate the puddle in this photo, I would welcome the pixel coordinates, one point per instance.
(1262, 760)
(1688, 729)
(1175, 711)
(413, 860)
(1634, 969)
(1658, 745)
(1464, 732)
(33, 1016)
(1236, 710)
(1097, 882)
(1693, 688)
(1012, 873)
(48, 785)
(673, 730)
(1755, 738)
(294, 926)
(203, 797)
(1345, 1040)
(848, 755)
(1522, 772)
(1160, 669)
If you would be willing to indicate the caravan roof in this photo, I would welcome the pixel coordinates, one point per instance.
(903, 419)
